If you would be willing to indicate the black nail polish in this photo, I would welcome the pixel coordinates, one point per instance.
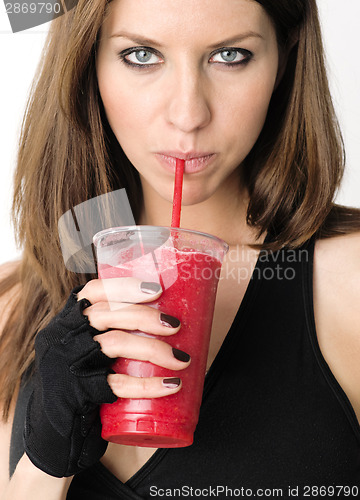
(150, 287)
(171, 383)
(181, 355)
(169, 321)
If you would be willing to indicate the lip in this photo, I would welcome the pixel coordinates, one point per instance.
(195, 161)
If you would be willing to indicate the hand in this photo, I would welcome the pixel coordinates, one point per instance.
(116, 306)
(62, 427)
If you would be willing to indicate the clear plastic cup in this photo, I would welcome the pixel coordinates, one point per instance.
(187, 265)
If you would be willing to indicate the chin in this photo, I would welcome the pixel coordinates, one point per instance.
(195, 196)
(193, 193)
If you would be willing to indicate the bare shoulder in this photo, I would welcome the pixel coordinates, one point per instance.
(6, 303)
(333, 249)
(337, 311)
(5, 437)
(337, 278)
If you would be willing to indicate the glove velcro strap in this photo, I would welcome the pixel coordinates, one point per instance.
(59, 456)
(50, 451)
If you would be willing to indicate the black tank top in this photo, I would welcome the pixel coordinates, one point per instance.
(273, 416)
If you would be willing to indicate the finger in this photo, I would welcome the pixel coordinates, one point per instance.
(133, 317)
(125, 386)
(130, 290)
(127, 345)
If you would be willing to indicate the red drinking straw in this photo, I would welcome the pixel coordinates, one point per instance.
(179, 174)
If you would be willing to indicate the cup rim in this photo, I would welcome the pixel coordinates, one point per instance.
(113, 230)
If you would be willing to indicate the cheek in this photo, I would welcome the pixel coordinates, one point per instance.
(247, 113)
(126, 109)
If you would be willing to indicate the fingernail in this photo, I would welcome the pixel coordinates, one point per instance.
(169, 321)
(150, 287)
(181, 355)
(171, 383)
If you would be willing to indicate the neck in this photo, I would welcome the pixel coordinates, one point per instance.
(222, 215)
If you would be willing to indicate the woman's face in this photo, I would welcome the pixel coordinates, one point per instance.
(190, 79)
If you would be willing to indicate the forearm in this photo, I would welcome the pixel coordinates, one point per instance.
(30, 483)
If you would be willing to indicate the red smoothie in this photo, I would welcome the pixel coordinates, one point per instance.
(189, 280)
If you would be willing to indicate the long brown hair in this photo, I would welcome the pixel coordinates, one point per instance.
(68, 154)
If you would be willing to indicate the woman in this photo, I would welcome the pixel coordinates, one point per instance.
(241, 94)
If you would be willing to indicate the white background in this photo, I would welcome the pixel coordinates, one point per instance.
(20, 52)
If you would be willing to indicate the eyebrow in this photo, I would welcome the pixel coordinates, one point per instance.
(140, 40)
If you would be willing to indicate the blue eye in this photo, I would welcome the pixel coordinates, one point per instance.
(231, 56)
(145, 57)
(140, 57)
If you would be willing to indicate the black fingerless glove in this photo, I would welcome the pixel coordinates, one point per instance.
(62, 424)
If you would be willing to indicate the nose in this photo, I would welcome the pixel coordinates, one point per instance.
(188, 107)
